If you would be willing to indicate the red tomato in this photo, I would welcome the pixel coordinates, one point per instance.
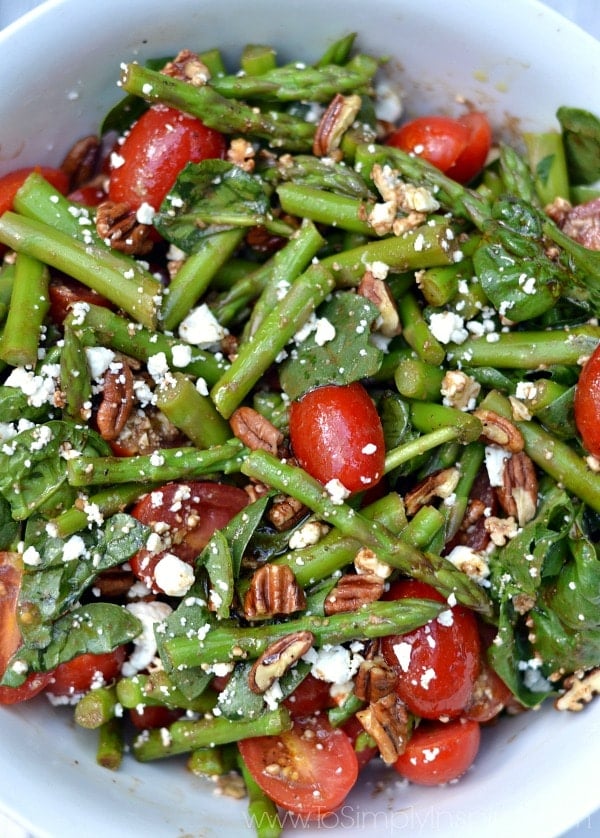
(77, 675)
(152, 717)
(64, 292)
(158, 146)
(311, 695)
(11, 571)
(317, 766)
(438, 753)
(458, 147)
(437, 665)
(186, 514)
(490, 696)
(336, 432)
(587, 404)
(89, 196)
(11, 183)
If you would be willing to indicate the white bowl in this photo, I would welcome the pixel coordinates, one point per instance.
(514, 58)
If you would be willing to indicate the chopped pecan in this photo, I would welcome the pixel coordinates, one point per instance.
(500, 431)
(378, 292)
(338, 117)
(353, 590)
(518, 495)
(374, 680)
(241, 153)
(459, 390)
(580, 688)
(117, 224)
(386, 720)
(187, 66)
(277, 659)
(285, 512)
(255, 430)
(117, 400)
(147, 430)
(273, 590)
(81, 161)
(368, 562)
(439, 484)
(501, 530)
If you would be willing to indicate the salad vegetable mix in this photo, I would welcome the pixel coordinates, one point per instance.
(300, 417)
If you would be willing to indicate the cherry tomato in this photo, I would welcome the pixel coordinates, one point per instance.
(158, 146)
(317, 766)
(12, 182)
(489, 698)
(33, 685)
(190, 513)
(458, 147)
(336, 432)
(89, 196)
(439, 752)
(311, 694)
(587, 403)
(79, 674)
(437, 665)
(150, 717)
(64, 292)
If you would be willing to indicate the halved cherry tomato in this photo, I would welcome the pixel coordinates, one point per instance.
(158, 146)
(458, 147)
(89, 196)
(316, 766)
(439, 752)
(12, 182)
(311, 695)
(336, 433)
(64, 292)
(437, 665)
(79, 674)
(587, 403)
(150, 717)
(11, 571)
(489, 698)
(186, 514)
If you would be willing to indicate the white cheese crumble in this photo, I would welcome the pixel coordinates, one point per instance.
(448, 327)
(145, 649)
(201, 328)
(173, 576)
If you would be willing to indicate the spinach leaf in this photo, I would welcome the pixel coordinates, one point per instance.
(348, 356)
(66, 569)
(209, 197)
(191, 618)
(95, 629)
(33, 473)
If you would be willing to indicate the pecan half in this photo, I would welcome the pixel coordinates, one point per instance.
(273, 590)
(518, 495)
(277, 659)
(338, 117)
(500, 431)
(255, 430)
(117, 224)
(285, 512)
(81, 161)
(438, 484)
(387, 722)
(378, 292)
(117, 400)
(374, 680)
(352, 591)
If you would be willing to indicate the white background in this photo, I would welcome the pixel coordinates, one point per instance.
(586, 13)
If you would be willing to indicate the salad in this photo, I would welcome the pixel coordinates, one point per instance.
(300, 461)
